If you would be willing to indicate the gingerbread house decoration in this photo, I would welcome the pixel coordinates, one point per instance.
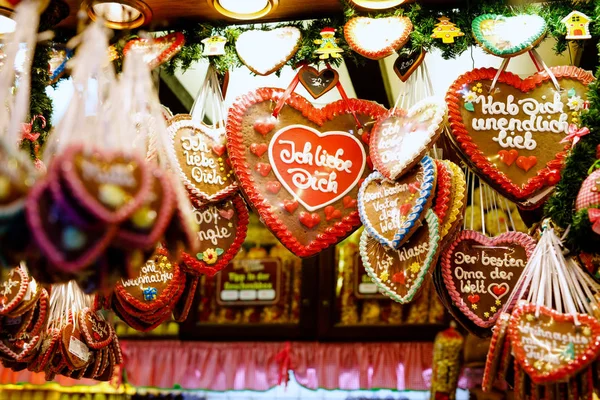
(577, 24)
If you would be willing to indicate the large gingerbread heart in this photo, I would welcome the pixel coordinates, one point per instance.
(377, 38)
(400, 273)
(282, 44)
(391, 210)
(511, 137)
(301, 171)
(480, 273)
(551, 346)
(401, 138)
(157, 51)
(222, 229)
(496, 33)
(202, 158)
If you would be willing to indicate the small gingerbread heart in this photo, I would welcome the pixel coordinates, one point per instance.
(495, 33)
(283, 44)
(317, 83)
(377, 38)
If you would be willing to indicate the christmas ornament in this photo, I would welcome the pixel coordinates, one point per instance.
(577, 24)
(300, 170)
(508, 36)
(317, 83)
(400, 273)
(446, 30)
(377, 38)
(401, 138)
(221, 231)
(408, 62)
(157, 50)
(214, 46)
(391, 210)
(328, 45)
(519, 150)
(480, 273)
(282, 44)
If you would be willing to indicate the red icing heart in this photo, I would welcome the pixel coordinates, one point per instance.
(349, 202)
(399, 277)
(312, 132)
(499, 290)
(344, 171)
(332, 213)
(414, 187)
(473, 298)
(489, 268)
(258, 149)
(508, 157)
(264, 126)
(405, 208)
(532, 334)
(479, 147)
(273, 187)
(263, 169)
(227, 214)
(219, 149)
(290, 205)
(309, 220)
(526, 163)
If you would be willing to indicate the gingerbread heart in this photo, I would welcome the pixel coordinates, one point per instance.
(96, 332)
(283, 44)
(475, 265)
(408, 62)
(495, 33)
(457, 202)
(377, 38)
(66, 245)
(315, 154)
(75, 352)
(13, 287)
(203, 164)
(552, 346)
(157, 51)
(524, 115)
(443, 190)
(391, 210)
(111, 186)
(400, 273)
(222, 229)
(401, 138)
(317, 83)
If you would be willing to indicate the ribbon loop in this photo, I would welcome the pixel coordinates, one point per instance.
(575, 134)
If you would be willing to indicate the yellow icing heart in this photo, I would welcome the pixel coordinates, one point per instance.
(144, 217)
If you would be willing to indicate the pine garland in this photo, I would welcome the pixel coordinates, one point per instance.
(423, 19)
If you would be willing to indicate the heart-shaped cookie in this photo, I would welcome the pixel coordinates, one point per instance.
(408, 62)
(157, 51)
(457, 204)
(400, 139)
(317, 156)
(550, 346)
(317, 83)
(282, 45)
(111, 186)
(377, 38)
(524, 115)
(496, 33)
(13, 287)
(202, 159)
(222, 229)
(400, 273)
(391, 210)
(480, 272)
(443, 190)
(96, 331)
(497, 346)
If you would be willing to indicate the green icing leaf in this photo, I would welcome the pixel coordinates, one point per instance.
(469, 107)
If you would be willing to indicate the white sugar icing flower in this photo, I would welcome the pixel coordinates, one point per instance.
(470, 96)
(575, 103)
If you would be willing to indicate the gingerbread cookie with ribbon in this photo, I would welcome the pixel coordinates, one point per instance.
(202, 159)
(480, 273)
(222, 229)
(391, 210)
(512, 136)
(400, 273)
(400, 139)
(301, 170)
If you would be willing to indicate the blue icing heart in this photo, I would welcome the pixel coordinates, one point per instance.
(469, 107)
(73, 238)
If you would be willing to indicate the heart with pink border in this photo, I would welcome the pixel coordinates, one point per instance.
(481, 272)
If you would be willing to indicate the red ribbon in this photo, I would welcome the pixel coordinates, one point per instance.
(285, 363)
(27, 128)
(575, 134)
(594, 216)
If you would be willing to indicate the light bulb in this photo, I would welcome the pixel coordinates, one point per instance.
(244, 6)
